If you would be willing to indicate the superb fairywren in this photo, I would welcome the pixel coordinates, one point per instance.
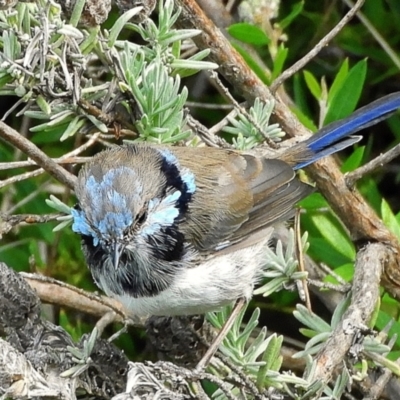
(183, 230)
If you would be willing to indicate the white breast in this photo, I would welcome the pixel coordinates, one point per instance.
(206, 287)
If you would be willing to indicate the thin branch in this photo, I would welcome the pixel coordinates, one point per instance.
(21, 177)
(300, 258)
(209, 138)
(379, 386)
(208, 106)
(242, 110)
(67, 158)
(223, 122)
(9, 221)
(83, 147)
(31, 163)
(316, 49)
(377, 36)
(365, 294)
(59, 293)
(27, 147)
(194, 375)
(378, 162)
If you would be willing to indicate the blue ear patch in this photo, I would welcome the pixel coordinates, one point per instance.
(186, 175)
(81, 226)
(162, 213)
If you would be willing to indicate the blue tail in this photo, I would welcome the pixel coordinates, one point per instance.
(328, 140)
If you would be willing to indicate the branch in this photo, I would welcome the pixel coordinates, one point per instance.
(315, 50)
(61, 294)
(364, 298)
(378, 162)
(20, 142)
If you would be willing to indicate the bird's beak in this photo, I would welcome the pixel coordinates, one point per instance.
(117, 251)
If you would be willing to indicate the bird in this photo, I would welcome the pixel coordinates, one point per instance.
(172, 231)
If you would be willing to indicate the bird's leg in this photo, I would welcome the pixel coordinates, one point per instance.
(240, 303)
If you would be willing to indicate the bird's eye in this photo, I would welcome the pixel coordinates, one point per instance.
(141, 217)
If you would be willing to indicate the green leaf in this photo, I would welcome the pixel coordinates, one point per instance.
(311, 320)
(90, 41)
(300, 95)
(43, 104)
(4, 79)
(339, 311)
(58, 205)
(389, 218)
(369, 189)
(354, 161)
(375, 314)
(279, 61)
(313, 202)
(77, 12)
(193, 65)
(73, 127)
(384, 319)
(345, 100)
(309, 333)
(339, 80)
(305, 120)
(120, 23)
(334, 234)
(345, 271)
(98, 124)
(65, 117)
(313, 85)
(248, 33)
(296, 10)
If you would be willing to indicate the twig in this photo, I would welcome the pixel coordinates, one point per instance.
(300, 258)
(241, 379)
(328, 285)
(21, 177)
(224, 121)
(65, 159)
(379, 386)
(365, 294)
(208, 106)
(380, 161)
(331, 272)
(317, 48)
(106, 320)
(377, 36)
(83, 147)
(27, 147)
(55, 292)
(9, 221)
(242, 110)
(387, 386)
(31, 163)
(208, 137)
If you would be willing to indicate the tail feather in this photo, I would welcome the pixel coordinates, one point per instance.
(328, 140)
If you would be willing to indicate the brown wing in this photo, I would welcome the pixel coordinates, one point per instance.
(237, 196)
